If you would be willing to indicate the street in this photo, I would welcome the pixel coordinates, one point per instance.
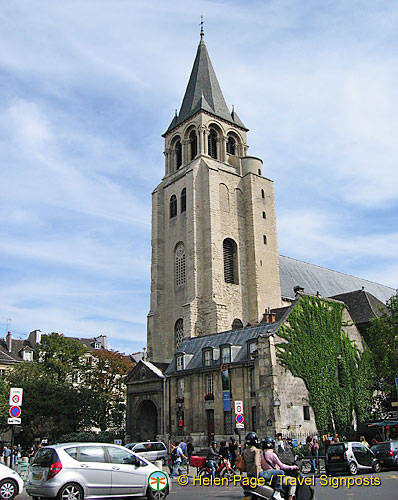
(386, 491)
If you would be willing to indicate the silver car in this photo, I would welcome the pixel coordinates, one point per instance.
(150, 450)
(74, 471)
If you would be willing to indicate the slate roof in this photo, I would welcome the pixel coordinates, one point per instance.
(362, 305)
(239, 338)
(17, 346)
(325, 281)
(204, 93)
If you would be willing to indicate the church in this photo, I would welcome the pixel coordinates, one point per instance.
(221, 295)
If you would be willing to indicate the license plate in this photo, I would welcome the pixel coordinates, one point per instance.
(335, 457)
(37, 476)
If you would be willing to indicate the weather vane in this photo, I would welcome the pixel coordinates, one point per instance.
(202, 33)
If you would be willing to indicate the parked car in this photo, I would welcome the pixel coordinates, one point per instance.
(74, 471)
(352, 457)
(11, 483)
(387, 453)
(150, 450)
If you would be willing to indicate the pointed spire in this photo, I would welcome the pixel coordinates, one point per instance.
(203, 91)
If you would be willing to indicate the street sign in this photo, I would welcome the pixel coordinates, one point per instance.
(15, 396)
(238, 407)
(13, 421)
(239, 418)
(15, 411)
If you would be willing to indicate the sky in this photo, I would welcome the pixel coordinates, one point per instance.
(88, 87)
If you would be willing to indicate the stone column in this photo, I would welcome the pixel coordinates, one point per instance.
(205, 141)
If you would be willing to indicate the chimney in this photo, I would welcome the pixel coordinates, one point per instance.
(9, 341)
(268, 316)
(34, 337)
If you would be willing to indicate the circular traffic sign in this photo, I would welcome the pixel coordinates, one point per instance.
(238, 409)
(16, 399)
(15, 411)
(239, 418)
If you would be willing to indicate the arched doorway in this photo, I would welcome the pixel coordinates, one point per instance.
(147, 420)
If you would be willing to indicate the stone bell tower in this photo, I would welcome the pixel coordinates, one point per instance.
(214, 240)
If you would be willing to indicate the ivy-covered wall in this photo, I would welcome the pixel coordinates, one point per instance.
(337, 375)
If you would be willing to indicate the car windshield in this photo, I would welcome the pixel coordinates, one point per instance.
(336, 448)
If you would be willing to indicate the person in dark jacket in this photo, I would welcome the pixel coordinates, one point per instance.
(224, 450)
(233, 451)
(212, 456)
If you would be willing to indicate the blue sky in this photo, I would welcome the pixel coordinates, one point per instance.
(88, 87)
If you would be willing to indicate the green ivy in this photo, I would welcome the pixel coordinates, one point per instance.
(337, 376)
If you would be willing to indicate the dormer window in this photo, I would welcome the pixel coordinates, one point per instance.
(97, 345)
(252, 348)
(27, 355)
(180, 362)
(208, 357)
(226, 354)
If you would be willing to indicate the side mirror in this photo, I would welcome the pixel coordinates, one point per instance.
(133, 460)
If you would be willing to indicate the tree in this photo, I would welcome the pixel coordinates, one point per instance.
(63, 358)
(106, 378)
(382, 338)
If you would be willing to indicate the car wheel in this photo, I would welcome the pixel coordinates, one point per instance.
(376, 467)
(70, 491)
(353, 469)
(157, 495)
(8, 489)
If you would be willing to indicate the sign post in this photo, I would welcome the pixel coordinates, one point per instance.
(15, 402)
(239, 415)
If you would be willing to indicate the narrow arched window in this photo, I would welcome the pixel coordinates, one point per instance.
(179, 332)
(183, 200)
(230, 261)
(212, 143)
(231, 145)
(193, 140)
(262, 194)
(173, 206)
(178, 154)
(179, 262)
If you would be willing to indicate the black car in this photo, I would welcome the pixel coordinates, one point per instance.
(351, 457)
(387, 453)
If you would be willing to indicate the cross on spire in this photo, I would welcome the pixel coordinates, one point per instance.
(202, 33)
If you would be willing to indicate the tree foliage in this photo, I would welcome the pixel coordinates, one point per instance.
(382, 337)
(338, 377)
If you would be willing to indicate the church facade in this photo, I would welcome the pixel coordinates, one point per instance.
(219, 289)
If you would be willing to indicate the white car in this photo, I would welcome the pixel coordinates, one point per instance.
(11, 483)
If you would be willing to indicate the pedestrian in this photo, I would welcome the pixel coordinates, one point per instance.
(289, 455)
(336, 439)
(374, 440)
(251, 455)
(224, 450)
(212, 456)
(280, 446)
(363, 441)
(233, 451)
(7, 456)
(177, 459)
(326, 443)
(183, 446)
(314, 454)
(190, 449)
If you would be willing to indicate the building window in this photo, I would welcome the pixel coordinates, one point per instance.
(179, 264)
(226, 354)
(306, 412)
(259, 171)
(180, 363)
(193, 140)
(252, 348)
(212, 143)
(180, 388)
(228, 428)
(264, 215)
(230, 261)
(27, 355)
(173, 206)
(262, 194)
(209, 384)
(252, 383)
(178, 154)
(264, 239)
(183, 200)
(231, 145)
(208, 357)
(254, 418)
(179, 332)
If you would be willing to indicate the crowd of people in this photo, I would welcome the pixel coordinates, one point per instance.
(10, 455)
